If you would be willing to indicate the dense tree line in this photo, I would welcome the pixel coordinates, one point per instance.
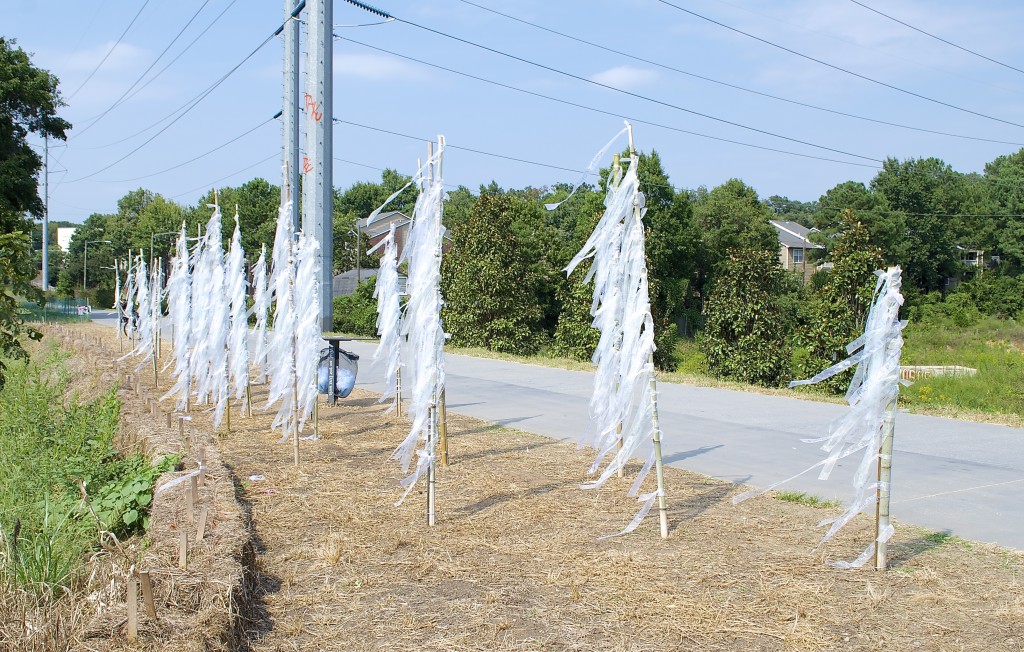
(505, 288)
(712, 253)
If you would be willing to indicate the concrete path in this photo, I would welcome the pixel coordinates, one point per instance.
(952, 476)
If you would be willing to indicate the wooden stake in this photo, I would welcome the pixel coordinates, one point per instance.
(201, 478)
(133, 609)
(316, 416)
(147, 594)
(183, 549)
(442, 428)
(248, 399)
(227, 414)
(193, 489)
(203, 513)
(189, 503)
(181, 429)
(170, 419)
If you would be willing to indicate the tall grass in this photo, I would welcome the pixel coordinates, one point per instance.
(995, 347)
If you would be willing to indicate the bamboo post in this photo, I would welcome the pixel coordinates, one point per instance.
(147, 594)
(442, 427)
(133, 609)
(433, 420)
(432, 468)
(227, 414)
(659, 466)
(248, 399)
(398, 391)
(316, 416)
(882, 493)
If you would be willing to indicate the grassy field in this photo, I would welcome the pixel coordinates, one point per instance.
(994, 347)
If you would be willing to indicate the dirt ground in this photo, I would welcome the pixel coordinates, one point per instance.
(514, 562)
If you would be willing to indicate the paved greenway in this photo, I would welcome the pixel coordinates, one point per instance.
(952, 476)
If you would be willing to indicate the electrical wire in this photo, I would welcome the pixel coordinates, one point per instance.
(937, 38)
(719, 82)
(196, 158)
(185, 108)
(840, 68)
(592, 109)
(118, 101)
(110, 51)
(211, 184)
(613, 88)
(152, 79)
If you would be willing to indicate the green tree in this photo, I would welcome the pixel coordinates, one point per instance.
(29, 101)
(745, 337)
(729, 217)
(927, 191)
(840, 307)
(574, 336)
(486, 280)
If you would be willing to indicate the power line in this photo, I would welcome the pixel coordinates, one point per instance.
(839, 68)
(203, 155)
(465, 149)
(937, 38)
(210, 184)
(184, 50)
(110, 51)
(119, 100)
(613, 88)
(609, 113)
(154, 77)
(188, 106)
(736, 86)
(862, 46)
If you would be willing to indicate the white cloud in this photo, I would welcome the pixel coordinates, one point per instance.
(625, 77)
(375, 67)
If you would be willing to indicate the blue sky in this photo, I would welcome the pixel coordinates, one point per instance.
(383, 91)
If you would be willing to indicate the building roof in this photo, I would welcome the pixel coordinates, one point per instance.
(794, 235)
(344, 284)
(382, 223)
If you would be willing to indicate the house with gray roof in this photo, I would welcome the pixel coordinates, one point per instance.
(794, 245)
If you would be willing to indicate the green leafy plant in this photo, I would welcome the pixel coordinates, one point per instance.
(745, 337)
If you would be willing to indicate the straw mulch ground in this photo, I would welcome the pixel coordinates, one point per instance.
(514, 562)
(197, 608)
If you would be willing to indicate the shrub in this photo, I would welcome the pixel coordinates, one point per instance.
(357, 313)
(745, 336)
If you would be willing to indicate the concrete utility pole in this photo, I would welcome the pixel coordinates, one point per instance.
(290, 110)
(317, 187)
(46, 214)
